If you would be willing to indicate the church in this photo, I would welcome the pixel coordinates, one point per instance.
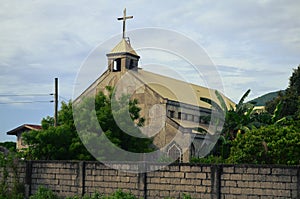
(175, 117)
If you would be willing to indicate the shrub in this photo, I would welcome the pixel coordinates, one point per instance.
(120, 195)
(273, 144)
(43, 193)
(211, 159)
(116, 195)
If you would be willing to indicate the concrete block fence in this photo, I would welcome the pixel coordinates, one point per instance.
(69, 178)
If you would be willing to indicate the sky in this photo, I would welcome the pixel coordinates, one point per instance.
(253, 44)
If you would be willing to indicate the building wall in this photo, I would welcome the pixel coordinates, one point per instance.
(187, 112)
(20, 144)
(20, 141)
(153, 108)
(199, 181)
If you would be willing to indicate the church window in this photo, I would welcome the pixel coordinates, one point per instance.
(179, 115)
(117, 65)
(171, 113)
(174, 152)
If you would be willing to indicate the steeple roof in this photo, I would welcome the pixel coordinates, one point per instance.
(123, 47)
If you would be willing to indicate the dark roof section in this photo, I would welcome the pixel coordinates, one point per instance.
(24, 127)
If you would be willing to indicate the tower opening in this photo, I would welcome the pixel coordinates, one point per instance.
(117, 65)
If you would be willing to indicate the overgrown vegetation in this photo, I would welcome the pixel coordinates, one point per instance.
(44, 193)
(11, 146)
(272, 144)
(63, 143)
(9, 165)
(289, 98)
(271, 137)
(56, 143)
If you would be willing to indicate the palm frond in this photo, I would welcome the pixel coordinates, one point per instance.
(212, 103)
(276, 112)
(222, 102)
(244, 97)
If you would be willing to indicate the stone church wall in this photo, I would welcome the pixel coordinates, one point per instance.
(68, 178)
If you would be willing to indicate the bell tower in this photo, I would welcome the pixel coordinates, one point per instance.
(122, 57)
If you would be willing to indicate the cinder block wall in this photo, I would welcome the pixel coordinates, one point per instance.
(69, 178)
(103, 179)
(14, 175)
(174, 180)
(260, 182)
(61, 177)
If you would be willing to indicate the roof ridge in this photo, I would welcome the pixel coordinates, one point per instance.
(164, 76)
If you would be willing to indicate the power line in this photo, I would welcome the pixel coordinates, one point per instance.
(27, 102)
(24, 95)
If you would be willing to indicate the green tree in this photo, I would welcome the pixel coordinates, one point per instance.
(63, 142)
(116, 118)
(271, 137)
(238, 120)
(56, 143)
(289, 98)
(11, 146)
(272, 144)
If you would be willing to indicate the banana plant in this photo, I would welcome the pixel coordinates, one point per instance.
(237, 119)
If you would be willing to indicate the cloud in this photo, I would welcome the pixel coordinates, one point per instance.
(237, 80)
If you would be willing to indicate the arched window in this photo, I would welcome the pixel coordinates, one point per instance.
(174, 152)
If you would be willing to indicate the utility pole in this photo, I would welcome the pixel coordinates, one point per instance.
(55, 101)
